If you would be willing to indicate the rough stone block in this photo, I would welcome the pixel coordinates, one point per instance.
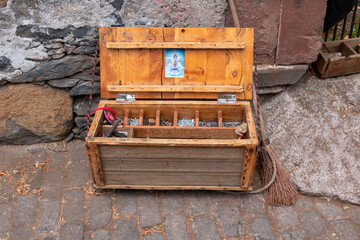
(49, 215)
(81, 104)
(100, 211)
(206, 229)
(330, 210)
(25, 210)
(84, 88)
(148, 208)
(52, 185)
(63, 83)
(78, 174)
(296, 234)
(304, 202)
(301, 25)
(175, 227)
(313, 223)
(25, 119)
(254, 203)
(126, 202)
(154, 236)
(199, 202)
(286, 216)
(5, 220)
(264, 17)
(100, 235)
(74, 206)
(21, 233)
(345, 230)
(232, 221)
(127, 229)
(73, 230)
(270, 75)
(261, 228)
(172, 202)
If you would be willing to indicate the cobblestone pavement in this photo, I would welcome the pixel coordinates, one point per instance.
(46, 193)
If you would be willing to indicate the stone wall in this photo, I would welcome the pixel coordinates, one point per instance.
(49, 46)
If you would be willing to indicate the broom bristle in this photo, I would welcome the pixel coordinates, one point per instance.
(283, 190)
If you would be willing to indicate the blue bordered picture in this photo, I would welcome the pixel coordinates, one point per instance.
(174, 63)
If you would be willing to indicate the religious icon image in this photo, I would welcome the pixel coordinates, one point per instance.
(174, 63)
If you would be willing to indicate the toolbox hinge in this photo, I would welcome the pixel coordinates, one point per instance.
(125, 98)
(227, 98)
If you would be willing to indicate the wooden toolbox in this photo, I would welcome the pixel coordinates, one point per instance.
(182, 93)
(338, 58)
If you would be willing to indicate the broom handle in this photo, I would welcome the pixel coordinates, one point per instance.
(233, 13)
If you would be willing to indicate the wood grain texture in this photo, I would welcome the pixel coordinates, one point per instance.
(216, 65)
(176, 45)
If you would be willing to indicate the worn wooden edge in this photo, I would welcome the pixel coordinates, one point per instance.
(110, 103)
(175, 88)
(172, 142)
(145, 187)
(95, 164)
(248, 168)
(187, 45)
(250, 122)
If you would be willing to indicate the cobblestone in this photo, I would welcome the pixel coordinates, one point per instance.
(73, 230)
(261, 228)
(232, 221)
(175, 227)
(100, 216)
(127, 229)
(25, 210)
(154, 236)
(206, 229)
(74, 204)
(49, 215)
(313, 223)
(61, 209)
(148, 207)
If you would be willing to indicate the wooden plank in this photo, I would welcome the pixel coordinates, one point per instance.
(174, 187)
(176, 45)
(157, 119)
(175, 121)
(169, 36)
(187, 165)
(220, 119)
(157, 152)
(126, 118)
(141, 118)
(197, 117)
(180, 88)
(166, 179)
(249, 164)
(181, 132)
(95, 164)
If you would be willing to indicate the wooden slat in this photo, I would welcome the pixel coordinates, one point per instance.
(168, 179)
(141, 117)
(174, 187)
(180, 45)
(167, 152)
(165, 88)
(175, 121)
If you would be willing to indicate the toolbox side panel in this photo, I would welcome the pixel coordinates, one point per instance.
(172, 166)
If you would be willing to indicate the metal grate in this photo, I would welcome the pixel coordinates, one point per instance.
(345, 29)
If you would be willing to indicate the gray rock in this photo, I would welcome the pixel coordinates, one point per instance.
(73, 230)
(74, 206)
(172, 202)
(199, 202)
(25, 210)
(49, 215)
(316, 123)
(270, 75)
(296, 234)
(101, 211)
(21, 233)
(261, 228)
(254, 203)
(85, 50)
(5, 220)
(63, 83)
(56, 69)
(82, 121)
(58, 56)
(40, 34)
(232, 221)
(313, 223)
(52, 184)
(84, 88)
(81, 104)
(175, 227)
(286, 216)
(205, 228)
(148, 208)
(127, 229)
(100, 235)
(154, 236)
(56, 51)
(69, 48)
(330, 210)
(81, 164)
(126, 203)
(4, 62)
(53, 44)
(304, 202)
(345, 230)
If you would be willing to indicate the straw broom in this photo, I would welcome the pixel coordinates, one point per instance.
(282, 190)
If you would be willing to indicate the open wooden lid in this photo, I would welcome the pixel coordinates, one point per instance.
(176, 63)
